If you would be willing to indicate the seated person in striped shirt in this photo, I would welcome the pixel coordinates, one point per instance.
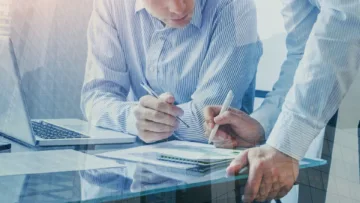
(191, 52)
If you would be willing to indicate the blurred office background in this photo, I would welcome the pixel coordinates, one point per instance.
(5, 18)
(50, 43)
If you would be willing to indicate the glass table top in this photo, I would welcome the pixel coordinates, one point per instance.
(131, 180)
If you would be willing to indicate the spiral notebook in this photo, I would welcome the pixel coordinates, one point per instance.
(195, 153)
(178, 152)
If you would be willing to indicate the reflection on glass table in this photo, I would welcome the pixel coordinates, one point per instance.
(139, 179)
(133, 182)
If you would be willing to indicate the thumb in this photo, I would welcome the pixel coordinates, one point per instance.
(238, 163)
(209, 114)
(167, 97)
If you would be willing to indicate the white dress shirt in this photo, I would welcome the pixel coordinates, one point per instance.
(323, 58)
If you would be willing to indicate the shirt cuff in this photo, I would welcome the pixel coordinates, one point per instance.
(131, 122)
(293, 134)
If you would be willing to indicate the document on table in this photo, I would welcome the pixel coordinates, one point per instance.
(50, 162)
(177, 156)
(177, 151)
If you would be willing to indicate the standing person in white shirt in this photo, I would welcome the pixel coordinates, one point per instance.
(323, 44)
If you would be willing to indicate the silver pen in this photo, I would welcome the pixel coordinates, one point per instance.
(152, 93)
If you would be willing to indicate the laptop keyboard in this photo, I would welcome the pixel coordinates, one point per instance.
(50, 131)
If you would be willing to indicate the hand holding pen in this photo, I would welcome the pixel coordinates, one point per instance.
(224, 108)
(226, 127)
(156, 116)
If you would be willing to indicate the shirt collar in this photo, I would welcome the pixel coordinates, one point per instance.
(197, 16)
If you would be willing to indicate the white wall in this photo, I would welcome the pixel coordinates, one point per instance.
(272, 33)
(5, 17)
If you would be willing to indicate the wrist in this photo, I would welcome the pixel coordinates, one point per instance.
(279, 153)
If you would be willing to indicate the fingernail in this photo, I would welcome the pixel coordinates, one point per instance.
(228, 171)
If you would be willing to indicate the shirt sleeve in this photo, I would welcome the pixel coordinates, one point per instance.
(330, 63)
(106, 84)
(299, 18)
(230, 64)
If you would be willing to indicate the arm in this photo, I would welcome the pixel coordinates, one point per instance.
(299, 17)
(106, 85)
(330, 63)
(232, 58)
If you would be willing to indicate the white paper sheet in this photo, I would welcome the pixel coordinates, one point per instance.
(182, 149)
(143, 154)
(51, 161)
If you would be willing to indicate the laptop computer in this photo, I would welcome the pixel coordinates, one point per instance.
(15, 123)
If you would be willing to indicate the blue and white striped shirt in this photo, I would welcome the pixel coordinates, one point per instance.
(323, 59)
(218, 51)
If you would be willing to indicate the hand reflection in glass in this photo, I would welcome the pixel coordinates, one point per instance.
(99, 183)
(145, 179)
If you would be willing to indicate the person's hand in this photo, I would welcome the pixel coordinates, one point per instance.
(156, 118)
(237, 129)
(271, 173)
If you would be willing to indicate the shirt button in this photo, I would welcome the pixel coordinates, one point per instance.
(152, 69)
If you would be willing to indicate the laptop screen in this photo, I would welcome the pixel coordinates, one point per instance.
(14, 120)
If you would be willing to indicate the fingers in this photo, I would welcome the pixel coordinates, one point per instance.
(275, 185)
(147, 125)
(238, 163)
(211, 111)
(274, 191)
(154, 125)
(283, 191)
(151, 137)
(160, 105)
(231, 117)
(221, 133)
(223, 145)
(156, 118)
(222, 140)
(167, 97)
(254, 180)
(265, 187)
(286, 182)
(142, 113)
(209, 114)
(272, 174)
(238, 141)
